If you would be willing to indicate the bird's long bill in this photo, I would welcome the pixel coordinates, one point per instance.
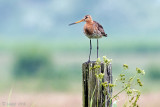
(77, 22)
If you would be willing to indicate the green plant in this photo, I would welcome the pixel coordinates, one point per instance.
(9, 97)
(33, 62)
(128, 84)
(153, 72)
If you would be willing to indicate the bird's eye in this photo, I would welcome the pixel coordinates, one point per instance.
(86, 17)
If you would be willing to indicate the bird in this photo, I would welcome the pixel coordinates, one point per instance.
(93, 30)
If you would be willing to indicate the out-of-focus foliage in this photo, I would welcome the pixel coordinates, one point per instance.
(133, 38)
(32, 62)
(49, 17)
(154, 72)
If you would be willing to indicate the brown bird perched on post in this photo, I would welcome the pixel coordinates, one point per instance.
(93, 30)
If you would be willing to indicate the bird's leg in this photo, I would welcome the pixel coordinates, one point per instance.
(97, 48)
(90, 50)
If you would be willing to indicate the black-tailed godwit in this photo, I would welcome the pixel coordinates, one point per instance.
(93, 30)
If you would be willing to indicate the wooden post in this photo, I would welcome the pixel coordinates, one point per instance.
(93, 92)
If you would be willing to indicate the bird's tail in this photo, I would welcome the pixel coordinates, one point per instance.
(105, 35)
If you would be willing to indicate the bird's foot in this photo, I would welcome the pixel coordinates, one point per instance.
(88, 61)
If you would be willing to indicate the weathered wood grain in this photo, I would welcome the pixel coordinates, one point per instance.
(92, 87)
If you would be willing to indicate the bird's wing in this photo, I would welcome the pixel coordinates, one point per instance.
(100, 28)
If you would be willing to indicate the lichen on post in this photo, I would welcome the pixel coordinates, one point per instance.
(94, 94)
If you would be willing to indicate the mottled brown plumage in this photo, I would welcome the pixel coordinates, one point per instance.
(100, 28)
(93, 30)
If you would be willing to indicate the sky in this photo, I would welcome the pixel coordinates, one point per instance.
(50, 18)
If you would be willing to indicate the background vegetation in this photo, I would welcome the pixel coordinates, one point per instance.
(40, 53)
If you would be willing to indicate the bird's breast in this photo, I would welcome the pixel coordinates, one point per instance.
(91, 31)
(88, 29)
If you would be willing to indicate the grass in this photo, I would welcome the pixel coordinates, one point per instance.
(66, 56)
(9, 97)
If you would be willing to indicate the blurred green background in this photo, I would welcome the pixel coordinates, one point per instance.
(40, 53)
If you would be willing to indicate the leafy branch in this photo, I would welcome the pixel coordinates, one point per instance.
(125, 82)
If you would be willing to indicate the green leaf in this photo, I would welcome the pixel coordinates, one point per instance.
(125, 66)
(115, 103)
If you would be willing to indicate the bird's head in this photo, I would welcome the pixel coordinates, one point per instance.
(86, 18)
